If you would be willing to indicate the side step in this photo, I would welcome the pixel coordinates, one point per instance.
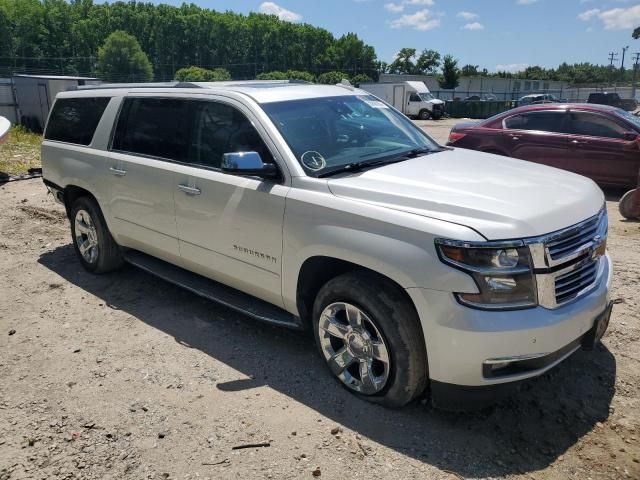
(212, 290)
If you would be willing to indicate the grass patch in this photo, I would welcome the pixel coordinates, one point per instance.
(20, 152)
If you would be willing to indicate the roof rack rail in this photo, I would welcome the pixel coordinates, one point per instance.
(104, 86)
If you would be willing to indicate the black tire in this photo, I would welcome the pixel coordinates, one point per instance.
(424, 114)
(108, 255)
(626, 207)
(395, 317)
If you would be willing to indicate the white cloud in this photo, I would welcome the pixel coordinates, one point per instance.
(615, 18)
(474, 26)
(394, 7)
(526, 2)
(422, 20)
(467, 15)
(423, 3)
(589, 14)
(620, 18)
(282, 13)
(512, 67)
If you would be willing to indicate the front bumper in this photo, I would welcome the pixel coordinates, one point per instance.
(460, 340)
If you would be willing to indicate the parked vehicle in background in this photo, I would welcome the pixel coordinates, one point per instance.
(613, 99)
(5, 125)
(412, 98)
(488, 97)
(320, 207)
(596, 141)
(535, 99)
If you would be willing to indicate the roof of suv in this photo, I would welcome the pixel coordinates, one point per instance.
(262, 91)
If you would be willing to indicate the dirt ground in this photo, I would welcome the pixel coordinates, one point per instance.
(124, 376)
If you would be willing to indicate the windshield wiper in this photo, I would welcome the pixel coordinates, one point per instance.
(358, 166)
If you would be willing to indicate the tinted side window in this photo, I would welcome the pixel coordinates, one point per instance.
(159, 127)
(541, 121)
(221, 129)
(414, 98)
(74, 120)
(583, 123)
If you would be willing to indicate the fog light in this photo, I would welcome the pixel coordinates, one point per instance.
(499, 366)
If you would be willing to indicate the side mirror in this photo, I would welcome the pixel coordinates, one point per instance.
(248, 163)
(630, 136)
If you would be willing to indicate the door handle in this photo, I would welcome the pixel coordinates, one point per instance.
(118, 172)
(189, 190)
(578, 142)
(514, 137)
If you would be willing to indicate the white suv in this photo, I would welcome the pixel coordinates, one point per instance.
(321, 207)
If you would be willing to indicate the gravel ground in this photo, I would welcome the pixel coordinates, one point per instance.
(123, 376)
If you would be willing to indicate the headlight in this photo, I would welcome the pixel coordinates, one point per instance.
(502, 272)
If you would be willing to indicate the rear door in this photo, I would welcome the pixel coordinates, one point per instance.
(598, 149)
(538, 136)
(150, 137)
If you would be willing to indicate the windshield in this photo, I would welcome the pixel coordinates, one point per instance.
(629, 117)
(324, 133)
(426, 97)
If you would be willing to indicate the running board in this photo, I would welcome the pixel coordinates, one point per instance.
(212, 290)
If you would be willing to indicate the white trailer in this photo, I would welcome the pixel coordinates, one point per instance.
(412, 98)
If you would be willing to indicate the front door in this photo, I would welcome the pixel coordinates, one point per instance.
(229, 227)
(598, 150)
(150, 137)
(538, 136)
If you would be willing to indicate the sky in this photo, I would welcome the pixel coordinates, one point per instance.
(494, 34)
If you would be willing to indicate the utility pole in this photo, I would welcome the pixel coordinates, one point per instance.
(624, 50)
(636, 59)
(612, 58)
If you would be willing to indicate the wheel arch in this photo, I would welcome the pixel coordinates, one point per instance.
(316, 271)
(72, 192)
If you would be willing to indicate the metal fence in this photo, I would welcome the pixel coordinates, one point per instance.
(8, 104)
(570, 94)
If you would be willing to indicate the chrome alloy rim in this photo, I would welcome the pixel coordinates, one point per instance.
(86, 236)
(354, 348)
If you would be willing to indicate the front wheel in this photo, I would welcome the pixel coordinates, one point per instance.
(369, 334)
(424, 115)
(97, 250)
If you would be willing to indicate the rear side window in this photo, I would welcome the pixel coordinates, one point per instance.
(541, 121)
(74, 120)
(158, 127)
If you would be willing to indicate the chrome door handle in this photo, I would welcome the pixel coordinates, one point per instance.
(514, 137)
(189, 190)
(118, 172)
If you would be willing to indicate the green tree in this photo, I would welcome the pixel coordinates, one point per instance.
(199, 74)
(121, 59)
(275, 75)
(403, 63)
(361, 78)
(331, 78)
(636, 33)
(450, 73)
(470, 71)
(428, 62)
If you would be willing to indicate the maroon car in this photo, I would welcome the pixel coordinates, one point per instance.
(597, 141)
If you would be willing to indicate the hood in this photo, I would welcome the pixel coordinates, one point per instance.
(499, 197)
(436, 101)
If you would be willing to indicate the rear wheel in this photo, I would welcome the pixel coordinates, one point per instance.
(369, 334)
(97, 250)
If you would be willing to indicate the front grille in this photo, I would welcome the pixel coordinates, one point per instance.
(574, 239)
(567, 262)
(569, 285)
